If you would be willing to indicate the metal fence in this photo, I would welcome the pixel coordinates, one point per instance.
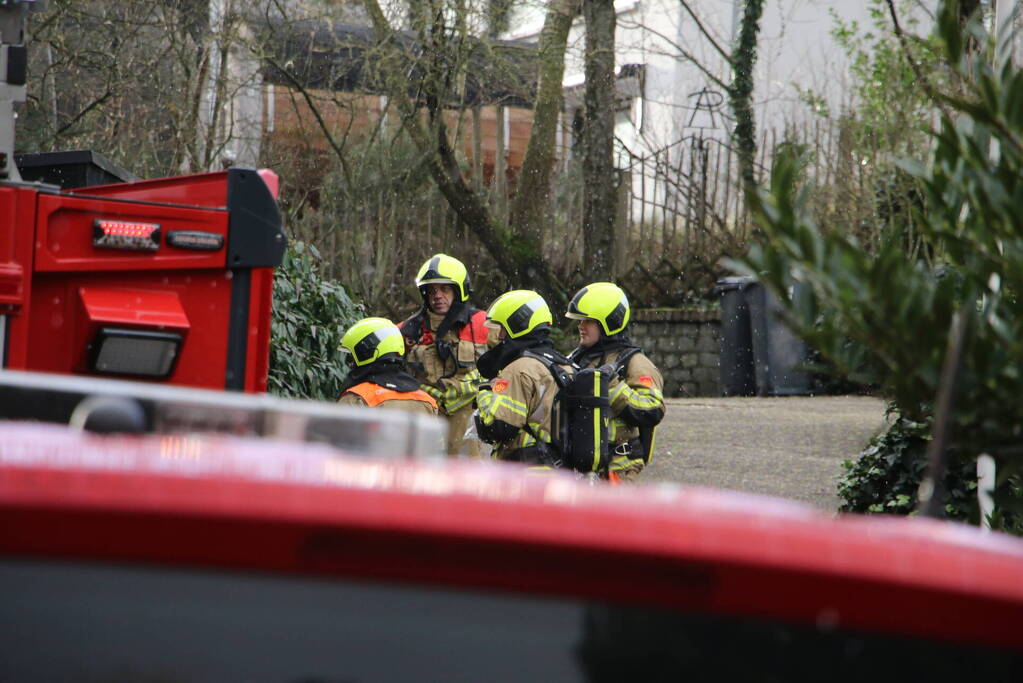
(681, 211)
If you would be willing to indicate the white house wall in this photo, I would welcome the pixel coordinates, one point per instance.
(796, 52)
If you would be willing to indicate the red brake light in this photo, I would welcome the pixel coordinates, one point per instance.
(131, 235)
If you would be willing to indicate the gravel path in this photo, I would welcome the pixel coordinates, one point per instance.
(789, 447)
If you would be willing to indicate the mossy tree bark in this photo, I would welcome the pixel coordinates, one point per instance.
(600, 199)
(530, 208)
(740, 93)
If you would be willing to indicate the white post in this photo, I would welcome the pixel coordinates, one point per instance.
(271, 107)
(985, 489)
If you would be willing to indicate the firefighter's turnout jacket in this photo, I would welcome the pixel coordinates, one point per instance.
(446, 367)
(514, 408)
(373, 395)
(384, 384)
(637, 402)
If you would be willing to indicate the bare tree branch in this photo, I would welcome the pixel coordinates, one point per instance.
(925, 82)
(81, 114)
(689, 56)
(706, 34)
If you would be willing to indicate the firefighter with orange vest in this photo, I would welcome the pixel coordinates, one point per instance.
(376, 375)
(443, 341)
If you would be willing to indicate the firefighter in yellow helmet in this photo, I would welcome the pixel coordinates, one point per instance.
(637, 404)
(376, 375)
(443, 341)
(516, 402)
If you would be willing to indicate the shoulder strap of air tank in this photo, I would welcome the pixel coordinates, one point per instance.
(622, 362)
(561, 376)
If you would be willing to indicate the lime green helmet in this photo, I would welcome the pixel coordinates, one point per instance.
(519, 312)
(604, 302)
(371, 339)
(446, 270)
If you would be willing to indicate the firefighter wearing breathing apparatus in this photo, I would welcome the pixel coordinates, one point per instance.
(515, 403)
(376, 375)
(443, 342)
(637, 404)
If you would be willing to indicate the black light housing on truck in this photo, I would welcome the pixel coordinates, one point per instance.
(140, 353)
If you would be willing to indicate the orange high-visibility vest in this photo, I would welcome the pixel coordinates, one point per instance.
(374, 394)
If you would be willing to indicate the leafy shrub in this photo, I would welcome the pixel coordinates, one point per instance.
(884, 479)
(310, 316)
(886, 476)
(886, 316)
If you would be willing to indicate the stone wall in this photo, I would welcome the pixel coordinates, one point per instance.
(683, 343)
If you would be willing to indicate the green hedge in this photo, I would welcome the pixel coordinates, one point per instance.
(310, 314)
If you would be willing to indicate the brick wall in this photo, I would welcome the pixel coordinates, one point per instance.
(683, 343)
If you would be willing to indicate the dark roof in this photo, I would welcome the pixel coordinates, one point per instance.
(341, 57)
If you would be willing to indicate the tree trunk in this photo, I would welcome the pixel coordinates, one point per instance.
(600, 198)
(529, 210)
(518, 257)
(740, 93)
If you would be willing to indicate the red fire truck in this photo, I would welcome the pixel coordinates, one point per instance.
(167, 280)
(164, 280)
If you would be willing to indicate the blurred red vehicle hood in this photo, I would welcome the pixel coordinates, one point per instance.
(309, 509)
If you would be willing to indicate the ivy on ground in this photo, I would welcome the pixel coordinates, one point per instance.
(886, 476)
